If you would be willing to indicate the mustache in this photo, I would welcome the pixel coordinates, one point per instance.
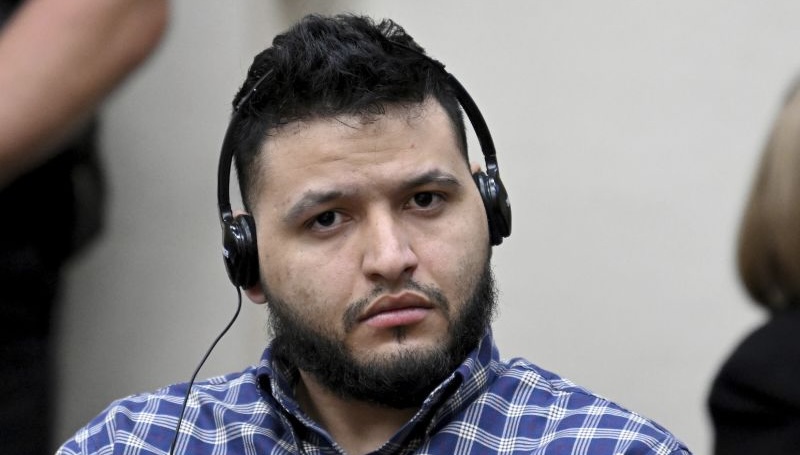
(355, 309)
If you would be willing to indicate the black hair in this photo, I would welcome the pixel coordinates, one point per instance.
(325, 66)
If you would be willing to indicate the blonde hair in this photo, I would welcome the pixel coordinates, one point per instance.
(769, 236)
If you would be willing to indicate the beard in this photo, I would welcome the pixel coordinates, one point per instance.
(400, 380)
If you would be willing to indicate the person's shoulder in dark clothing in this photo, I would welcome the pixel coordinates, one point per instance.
(755, 398)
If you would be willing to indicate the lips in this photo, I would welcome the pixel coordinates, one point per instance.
(397, 310)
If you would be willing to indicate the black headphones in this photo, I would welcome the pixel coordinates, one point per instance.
(239, 247)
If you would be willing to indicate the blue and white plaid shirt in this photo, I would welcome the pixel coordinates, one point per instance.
(486, 406)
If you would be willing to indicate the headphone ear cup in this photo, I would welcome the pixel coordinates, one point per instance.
(240, 250)
(496, 204)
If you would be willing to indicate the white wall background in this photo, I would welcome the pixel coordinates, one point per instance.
(627, 133)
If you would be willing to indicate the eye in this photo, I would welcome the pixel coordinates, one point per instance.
(425, 200)
(325, 221)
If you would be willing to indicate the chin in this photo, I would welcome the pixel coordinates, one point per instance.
(399, 346)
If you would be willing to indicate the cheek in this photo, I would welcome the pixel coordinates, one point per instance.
(457, 258)
(312, 281)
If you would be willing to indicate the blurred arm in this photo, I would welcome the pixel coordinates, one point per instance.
(58, 60)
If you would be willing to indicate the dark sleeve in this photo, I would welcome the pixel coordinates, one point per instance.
(755, 398)
(49, 214)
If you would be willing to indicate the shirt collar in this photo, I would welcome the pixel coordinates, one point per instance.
(471, 378)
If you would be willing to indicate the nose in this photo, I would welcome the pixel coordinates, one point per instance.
(388, 257)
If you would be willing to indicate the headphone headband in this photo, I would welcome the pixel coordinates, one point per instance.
(240, 251)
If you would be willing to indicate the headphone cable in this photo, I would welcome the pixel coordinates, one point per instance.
(200, 365)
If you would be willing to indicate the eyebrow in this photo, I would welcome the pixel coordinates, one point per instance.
(313, 198)
(436, 176)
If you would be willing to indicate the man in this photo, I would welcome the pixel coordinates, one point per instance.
(58, 61)
(373, 254)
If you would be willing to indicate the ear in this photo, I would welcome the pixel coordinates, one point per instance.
(474, 167)
(256, 294)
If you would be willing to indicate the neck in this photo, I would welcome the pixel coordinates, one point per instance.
(358, 427)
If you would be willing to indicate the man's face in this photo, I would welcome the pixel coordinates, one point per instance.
(372, 234)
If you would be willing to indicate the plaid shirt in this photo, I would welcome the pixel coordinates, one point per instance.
(486, 406)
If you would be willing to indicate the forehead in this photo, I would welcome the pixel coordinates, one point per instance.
(358, 149)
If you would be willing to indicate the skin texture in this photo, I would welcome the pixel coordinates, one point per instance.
(58, 60)
(350, 211)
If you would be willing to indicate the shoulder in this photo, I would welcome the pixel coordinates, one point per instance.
(767, 359)
(773, 342)
(148, 420)
(229, 391)
(553, 412)
(757, 382)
